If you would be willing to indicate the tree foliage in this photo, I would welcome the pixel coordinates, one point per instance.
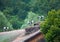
(4, 22)
(43, 6)
(30, 17)
(51, 26)
(18, 9)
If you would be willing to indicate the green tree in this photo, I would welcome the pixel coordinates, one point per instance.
(31, 16)
(16, 22)
(4, 22)
(51, 26)
(43, 6)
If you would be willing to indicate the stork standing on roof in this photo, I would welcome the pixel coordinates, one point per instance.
(4, 28)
